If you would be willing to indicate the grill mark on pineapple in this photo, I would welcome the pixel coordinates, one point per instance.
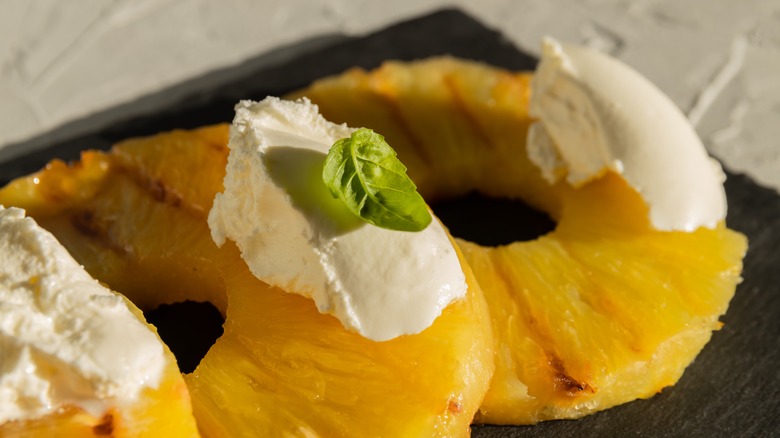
(460, 106)
(517, 293)
(220, 147)
(155, 187)
(158, 190)
(454, 407)
(161, 193)
(105, 428)
(564, 383)
(601, 305)
(90, 226)
(86, 224)
(394, 109)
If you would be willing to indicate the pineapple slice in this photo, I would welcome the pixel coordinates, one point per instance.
(136, 219)
(602, 310)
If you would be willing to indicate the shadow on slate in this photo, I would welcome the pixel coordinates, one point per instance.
(733, 387)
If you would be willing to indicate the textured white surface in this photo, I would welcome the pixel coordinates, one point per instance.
(717, 59)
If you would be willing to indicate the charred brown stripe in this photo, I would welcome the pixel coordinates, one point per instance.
(563, 382)
(454, 407)
(90, 226)
(460, 105)
(391, 101)
(105, 428)
(221, 147)
(155, 187)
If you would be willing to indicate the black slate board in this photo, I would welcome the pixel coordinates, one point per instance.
(733, 387)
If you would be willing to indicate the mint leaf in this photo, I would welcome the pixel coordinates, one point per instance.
(365, 173)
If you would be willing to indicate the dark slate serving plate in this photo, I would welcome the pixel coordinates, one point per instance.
(733, 387)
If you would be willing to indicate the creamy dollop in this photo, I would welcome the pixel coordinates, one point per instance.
(65, 340)
(294, 235)
(596, 114)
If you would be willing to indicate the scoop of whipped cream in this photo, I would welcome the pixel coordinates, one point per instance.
(596, 114)
(64, 339)
(292, 233)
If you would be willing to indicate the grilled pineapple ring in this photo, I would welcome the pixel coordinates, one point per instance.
(600, 311)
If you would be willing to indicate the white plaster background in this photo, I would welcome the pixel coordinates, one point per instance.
(719, 60)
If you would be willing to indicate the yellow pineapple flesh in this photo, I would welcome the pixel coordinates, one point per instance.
(602, 310)
(136, 219)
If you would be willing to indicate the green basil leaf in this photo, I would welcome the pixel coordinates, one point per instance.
(365, 173)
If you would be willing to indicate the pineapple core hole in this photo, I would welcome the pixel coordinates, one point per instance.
(492, 221)
(189, 329)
